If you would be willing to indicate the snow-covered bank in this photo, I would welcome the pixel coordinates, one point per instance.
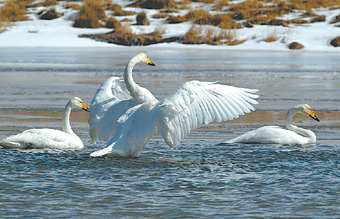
(60, 33)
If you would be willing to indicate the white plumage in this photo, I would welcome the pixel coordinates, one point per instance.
(191, 105)
(277, 135)
(49, 138)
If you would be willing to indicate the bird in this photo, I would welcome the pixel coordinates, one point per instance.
(49, 138)
(141, 115)
(113, 99)
(293, 135)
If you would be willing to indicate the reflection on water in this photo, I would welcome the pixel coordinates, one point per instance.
(197, 179)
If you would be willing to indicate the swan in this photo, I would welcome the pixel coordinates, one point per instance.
(49, 138)
(277, 135)
(191, 105)
(113, 99)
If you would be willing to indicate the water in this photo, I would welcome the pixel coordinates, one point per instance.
(198, 179)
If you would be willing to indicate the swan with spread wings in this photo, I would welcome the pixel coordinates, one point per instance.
(129, 114)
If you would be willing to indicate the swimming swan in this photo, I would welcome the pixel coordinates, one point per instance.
(191, 105)
(277, 135)
(49, 138)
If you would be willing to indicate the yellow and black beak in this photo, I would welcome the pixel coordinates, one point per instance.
(85, 107)
(150, 63)
(313, 116)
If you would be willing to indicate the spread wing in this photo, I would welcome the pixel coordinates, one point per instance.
(111, 101)
(195, 103)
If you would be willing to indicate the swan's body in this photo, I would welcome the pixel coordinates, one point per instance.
(49, 138)
(113, 99)
(293, 135)
(193, 104)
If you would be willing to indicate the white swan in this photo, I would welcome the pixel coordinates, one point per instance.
(113, 99)
(49, 138)
(277, 135)
(193, 104)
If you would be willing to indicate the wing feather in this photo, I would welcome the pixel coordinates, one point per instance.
(195, 103)
(111, 101)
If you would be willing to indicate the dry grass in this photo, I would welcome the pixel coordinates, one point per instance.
(160, 16)
(191, 15)
(113, 23)
(73, 6)
(117, 10)
(229, 16)
(159, 31)
(295, 46)
(202, 17)
(46, 3)
(3, 26)
(204, 1)
(89, 15)
(197, 35)
(336, 19)
(125, 29)
(124, 36)
(194, 35)
(154, 4)
(50, 14)
(142, 19)
(272, 37)
(14, 11)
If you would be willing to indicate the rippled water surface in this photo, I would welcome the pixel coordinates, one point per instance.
(201, 178)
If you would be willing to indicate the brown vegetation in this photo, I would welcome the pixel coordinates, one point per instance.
(160, 16)
(154, 4)
(271, 38)
(14, 11)
(89, 15)
(50, 14)
(196, 35)
(124, 36)
(45, 3)
(73, 6)
(117, 10)
(295, 46)
(142, 19)
(193, 36)
(192, 15)
(227, 15)
(3, 26)
(318, 19)
(336, 19)
(158, 32)
(336, 42)
(202, 17)
(113, 23)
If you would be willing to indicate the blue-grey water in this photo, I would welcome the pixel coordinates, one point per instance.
(200, 178)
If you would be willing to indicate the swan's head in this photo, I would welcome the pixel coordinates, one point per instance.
(307, 110)
(144, 59)
(77, 103)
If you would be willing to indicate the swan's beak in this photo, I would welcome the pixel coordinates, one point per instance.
(313, 116)
(85, 107)
(150, 63)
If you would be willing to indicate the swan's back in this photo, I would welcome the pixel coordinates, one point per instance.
(271, 135)
(43, 138)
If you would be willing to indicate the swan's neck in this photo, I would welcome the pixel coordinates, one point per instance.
(138, 93)
(66, 127)
(304, 132)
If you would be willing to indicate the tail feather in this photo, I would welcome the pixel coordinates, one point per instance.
(102, 152)
(9, 144)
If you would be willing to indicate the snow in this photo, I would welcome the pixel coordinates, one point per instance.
(60, 33)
